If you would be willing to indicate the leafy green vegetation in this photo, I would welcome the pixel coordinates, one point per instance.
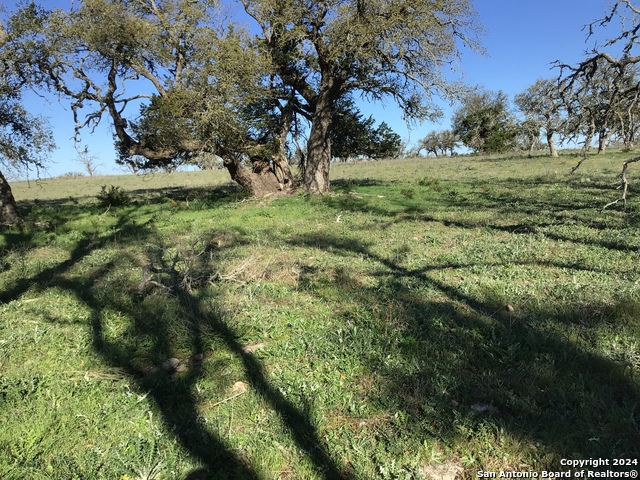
(483, 315)
(112, 196)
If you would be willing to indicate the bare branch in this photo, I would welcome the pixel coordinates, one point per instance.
(577, 166)
(624, 184)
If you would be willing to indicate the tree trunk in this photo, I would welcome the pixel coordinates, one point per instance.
(552, 144)
(531, 145)
(281, 167)
(603, 137)
(282, 170)
(263, 180)
(316, 173)
(8, 209)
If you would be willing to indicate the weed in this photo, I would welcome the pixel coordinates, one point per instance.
(433, 184)
(112, 196)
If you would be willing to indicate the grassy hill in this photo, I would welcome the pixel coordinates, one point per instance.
(430, 317)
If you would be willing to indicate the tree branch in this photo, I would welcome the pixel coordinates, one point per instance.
(624, 185)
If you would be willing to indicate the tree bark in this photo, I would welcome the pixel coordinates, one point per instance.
(552, 144)
(603, 137)
(9, 214)
(281, 167)
(316, 173)
(261, 180)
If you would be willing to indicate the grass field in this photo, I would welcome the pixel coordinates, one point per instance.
(431, 318)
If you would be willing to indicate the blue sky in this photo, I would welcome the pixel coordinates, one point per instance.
(522, 39)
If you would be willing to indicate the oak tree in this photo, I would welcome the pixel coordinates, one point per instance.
(543, 104)
(439, 142)
(178, 79)
(528, 137)
(174, 78)
(484, 122)
(602, 104)
(325, 49)
(619, 57)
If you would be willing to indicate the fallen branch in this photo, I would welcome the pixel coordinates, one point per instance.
(625, 183)
(579, 163)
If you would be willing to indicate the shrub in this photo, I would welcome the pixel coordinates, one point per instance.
(112, 196)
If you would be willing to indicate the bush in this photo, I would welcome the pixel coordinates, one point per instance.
(112, 196)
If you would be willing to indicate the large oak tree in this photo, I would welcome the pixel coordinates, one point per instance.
(179, 80)
(327, 49)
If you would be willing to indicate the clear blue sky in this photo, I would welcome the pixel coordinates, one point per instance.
(522, 39)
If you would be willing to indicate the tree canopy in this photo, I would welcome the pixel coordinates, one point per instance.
(25, 140)
(174, 78)
(541, 103)
(322, 50)
(603, 104)
(353, 136)
(178, 79)
(484, 122)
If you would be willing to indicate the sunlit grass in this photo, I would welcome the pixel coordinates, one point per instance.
(462, 313)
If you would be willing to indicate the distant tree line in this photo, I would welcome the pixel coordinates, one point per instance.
(601, 107)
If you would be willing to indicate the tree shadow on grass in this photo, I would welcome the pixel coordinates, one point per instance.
(226, 193)
(347, 184)
(496, 210)
(150, 339)
(471, 366)
(465, 366)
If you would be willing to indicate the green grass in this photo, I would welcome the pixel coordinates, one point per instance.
(469, 313)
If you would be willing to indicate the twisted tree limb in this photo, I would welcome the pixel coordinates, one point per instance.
(624, 185)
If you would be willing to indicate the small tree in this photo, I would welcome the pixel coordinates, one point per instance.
(350, 132)
(528, 135)
(88, 161)
(439, 142)
(354, 136)
(484, 122)
(448, 141)
(383, 143)
(430, 143)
